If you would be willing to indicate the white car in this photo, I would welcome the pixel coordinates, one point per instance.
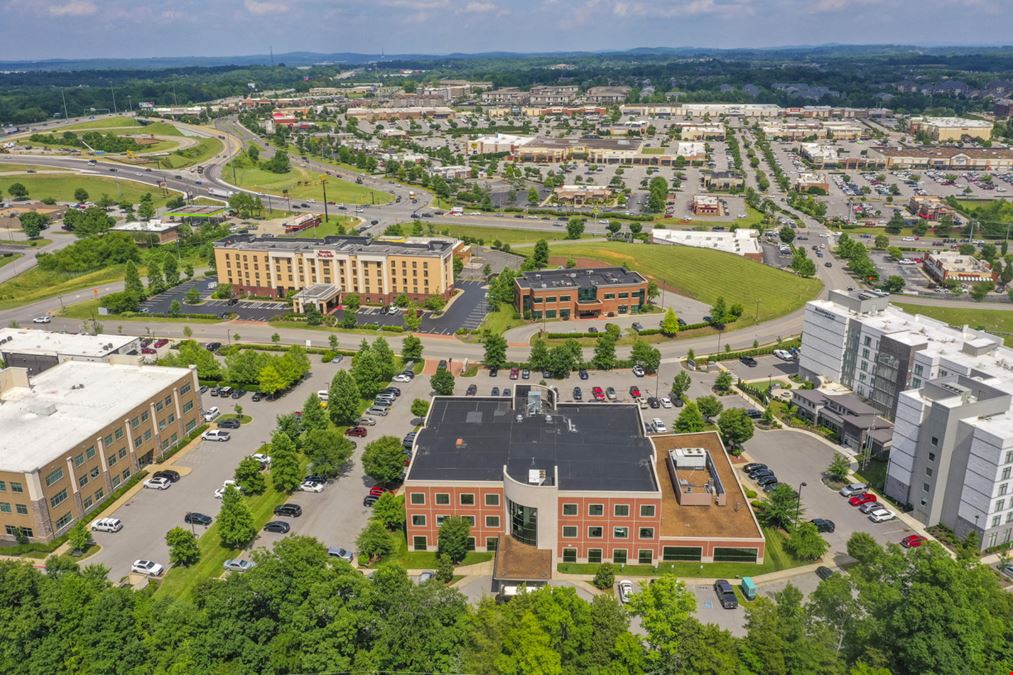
(147, 567)
(783, 354)
(365, 422)
(158, 483)
(323, 395)
(659, 426)
(220, 492)
(666, 402)
(401, 377)
(625, 590)
(908, 239)
(215, 435)
(261, 457)
(45, 318)
(239, 565)
(853, 489)
(211, 413)
(311, 486)
(107, 525)
(906, 261)
(881, 516)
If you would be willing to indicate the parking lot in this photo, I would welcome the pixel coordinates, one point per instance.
(247, 310)
(334, 516)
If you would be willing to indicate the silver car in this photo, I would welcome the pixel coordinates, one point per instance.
(239, 565)
(339, 552)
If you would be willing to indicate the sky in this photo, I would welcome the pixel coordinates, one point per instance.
(41, 29)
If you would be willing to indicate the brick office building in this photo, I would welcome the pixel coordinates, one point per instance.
(544, 482)
(579, 293)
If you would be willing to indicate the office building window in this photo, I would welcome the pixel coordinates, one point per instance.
(491, 543)
(645, 556)
(5, 507)
(932, 456)
(928, 471)
(647, 511)
(570, 555)
(419, 521)
(64, 520)
(419, 543)
(570, 531)
(621, 510)
(569, 509)
(619, 556)
(467, 500)
(620, 532)
(594, 532)
(112, 460)
(1005, 473)
(925, 487)
(996, 520)
(442, 498)
(22, 509)
(94, 472)
(491, 499)
(16, 487)
(13, 531)
(54, 476)
(647, 533)
(119, 434)
(596, 509)
(3, 486)
(78, 460)
(673, 553)
(594, 555)
(418, 498)
(90, 452)
(82, 481)
(935, 441)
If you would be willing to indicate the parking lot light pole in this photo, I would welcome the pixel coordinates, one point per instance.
(798, 504)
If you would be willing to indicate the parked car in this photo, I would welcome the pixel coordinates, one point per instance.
(402, 377)
(653, 402)
(783, 354)
(578, 395)
(377, 411)
(748, 361)
(515, 373)
(598, 393)
(637, 326)
(610, 394)
(311, 486)
(659, 426)
(494, 391)
(753, 466)
(261, 457)
(638, 370)
(158, 483)
(256, 396)
(525, 374)
(288, 510)
(726, 594)
(215, 435)
(913, 541)
(239, 565)
(472, 390)
(169, 474)
(365, 422)
(45, 318)
(107, 525)
(370, 500)
(194, 518)
(853, 489)
(213, 346)
(211, 413)
(869, 507)
(625, 590)
(767, 480)
(147, 567)
(584, 374)
(506, 391)
(279, 526)
(881, 516)
(823, 525)
(342, 553)
(635, 391)
(824, 572)
(225, 391)
(666, 402)
(863, 498)
(356, 432)
(232, 423)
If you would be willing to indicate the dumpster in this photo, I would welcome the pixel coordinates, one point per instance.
(748, 588)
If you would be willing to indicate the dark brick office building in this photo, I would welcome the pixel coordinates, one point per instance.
(584, 293)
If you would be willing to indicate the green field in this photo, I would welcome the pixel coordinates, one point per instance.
(996, 321)
(61, 188)
(8, 168)
(104, 123)
(506, 235)
(703, 275)
(89, 310)
(652, 151)
(302, 184)
(37, 284)
(330, 227)
(205, 149)
(8, 259)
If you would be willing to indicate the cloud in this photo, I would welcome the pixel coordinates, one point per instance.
(418, 5)
(480, 7)
(669, 9)
(260, 7)
(73, 8)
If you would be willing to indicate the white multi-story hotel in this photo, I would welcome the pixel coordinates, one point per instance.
(950, 392)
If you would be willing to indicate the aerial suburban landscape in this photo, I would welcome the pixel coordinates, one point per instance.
(427, 336)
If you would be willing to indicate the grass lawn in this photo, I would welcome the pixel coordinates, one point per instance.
(37, 284)
(10, 168)
(775, 559)
(303, 184)
(89, 309)
(61, 188)
(507, 235)
(28, 243)
(104, 123)
(652, 151)
(501, 320)
(703, 275)
(330, 227)
(180, 582)
(8, 259)
(205, 149)
(997, 321)
(874, 473)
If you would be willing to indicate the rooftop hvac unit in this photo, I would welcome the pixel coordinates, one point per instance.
(536, 476)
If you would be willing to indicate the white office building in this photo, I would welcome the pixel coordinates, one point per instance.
(950, 393)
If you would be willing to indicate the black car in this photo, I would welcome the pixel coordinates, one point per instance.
(472, 390)
(312, 478)
(592, 329)
(677, 401)
(279, 526)
(767, 479)
(726, 594)
(213, 346)
(584, 375)
(257, 396)
(391, 390)
(824, 572)
(653, 402)
(494, 392)
(823, 525)
(637, 326)
(758, 469)
(203, 389)
(546, 374)
(753, 413)
(442, 365)
(770, 487)
(748, 361)
(370, 500)
(172, 476)
(578, 395)
(408, 440)
(229, 424)
(197, 519)
(493, 372)
(239, 393)
(753, 466)
(288, 510)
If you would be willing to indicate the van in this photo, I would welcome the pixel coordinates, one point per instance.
(322, 395)
(107, 525)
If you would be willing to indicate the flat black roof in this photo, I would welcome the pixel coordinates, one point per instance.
(587, 277)
(593, 446)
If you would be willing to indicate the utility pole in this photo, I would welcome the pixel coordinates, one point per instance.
(64, 96)
(323, 184)
(113, 91)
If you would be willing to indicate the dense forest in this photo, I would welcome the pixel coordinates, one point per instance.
(853, 76)
(299, 610)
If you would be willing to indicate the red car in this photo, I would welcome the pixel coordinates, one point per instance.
(378, 490)
(598, 393)
(356, 431)
(634, 392)
(863, 498)
(913, 541)
(515, 373)
(160, 343)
